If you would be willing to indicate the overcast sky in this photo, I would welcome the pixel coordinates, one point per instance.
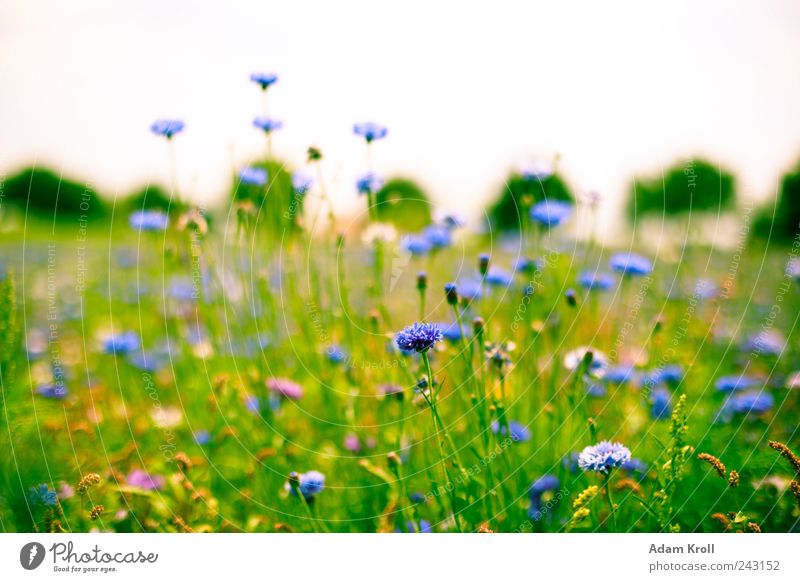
(468, 92)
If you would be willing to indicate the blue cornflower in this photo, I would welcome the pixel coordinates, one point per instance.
(264, 80)
(202, 437)
(524, 265)
(416, 245)
(619, 374)
(519, 432)
(336, 354)
(536, 170)
(419, 337)
(452, 220)
(370, 131)
(671, 374)
(267, 124)
(423, 527)
(735, 383)
(149, 220)
(770, 343)
(311, 484)
(253, 176)
(42, 495)
(452, 331)
(635, 466)
(123, 343)
(603, 456)
(302, 183)
(369, 183)
(544, 484)
(596, 389)
(497, 277)
(660, 404)
(439, 237)
(570, 461)
(469, 289)
(630, 264)
(167, 127)
(551, 212)
(754, 402)
(148, 361)
(705, 289)
(55, 391)
(596, 281)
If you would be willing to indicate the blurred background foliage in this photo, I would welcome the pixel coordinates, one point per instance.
(688, 187)
(519, 193)
(779, 220)
(405, 204)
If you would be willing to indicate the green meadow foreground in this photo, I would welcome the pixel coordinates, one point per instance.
(169, 377)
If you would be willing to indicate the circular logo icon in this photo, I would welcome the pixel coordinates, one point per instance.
(31, 555)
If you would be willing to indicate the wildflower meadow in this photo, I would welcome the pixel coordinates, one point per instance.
(275, 365)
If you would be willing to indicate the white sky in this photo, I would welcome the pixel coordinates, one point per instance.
(468, 91)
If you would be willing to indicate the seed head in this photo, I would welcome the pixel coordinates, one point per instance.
(719, 467)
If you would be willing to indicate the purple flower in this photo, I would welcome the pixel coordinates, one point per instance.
(735, 383)
(285, 388)
(167, 127)
(42, 495)
(619, 374)
(497, 277)
(416, 245)
(311, 484)
(351, 443)
(369, 183)
(603, 456)
(519, 432)
(123, 343)
(55, 391)
(264, 80)
(419, 337)
(302, 183)
(149, 220)
(551, 212)
(370, 131)
(439, 237)
(660, 404)
(596, 281)
(253, 176)
(202, 437)
(267, 124)
(630, 264)
(144, 480)
(542, 485)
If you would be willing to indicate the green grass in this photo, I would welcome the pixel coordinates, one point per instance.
(269, 311)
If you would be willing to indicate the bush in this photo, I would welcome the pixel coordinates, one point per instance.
(45, 194)
(519, 193)
(153, 197)
(403, 203)
(688, 186)
(781, 223)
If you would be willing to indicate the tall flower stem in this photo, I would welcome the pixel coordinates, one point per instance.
(441, 433)
(607, 486)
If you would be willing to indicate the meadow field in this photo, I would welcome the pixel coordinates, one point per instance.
(161, 373)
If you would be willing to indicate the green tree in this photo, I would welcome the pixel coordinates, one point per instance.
(781, 221)
(403, 203)
(519, 193)
(43, 193)
(689, 186)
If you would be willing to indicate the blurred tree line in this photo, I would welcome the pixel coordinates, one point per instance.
(688, 187)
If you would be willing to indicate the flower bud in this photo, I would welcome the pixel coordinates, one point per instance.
(451, 293)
